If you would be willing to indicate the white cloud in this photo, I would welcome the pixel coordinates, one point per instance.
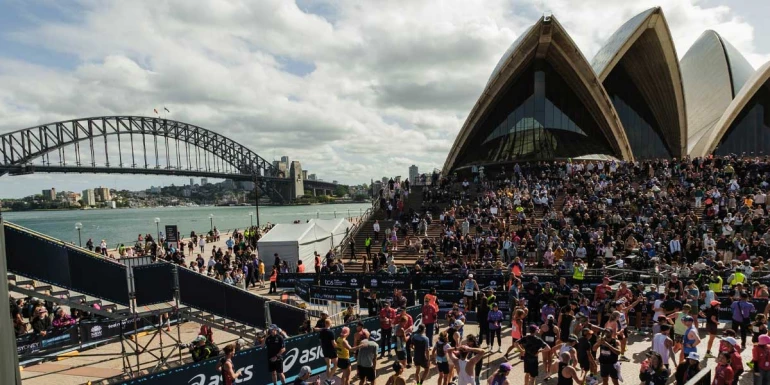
(391, 85)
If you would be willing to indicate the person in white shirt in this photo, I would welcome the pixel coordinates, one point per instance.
(675, 246)
(202, 244)
(376, 228)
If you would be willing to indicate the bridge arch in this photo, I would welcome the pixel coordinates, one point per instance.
(22, 147)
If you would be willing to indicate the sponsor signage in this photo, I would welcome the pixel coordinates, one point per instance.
(438, 281)
(334, 294)
(172, 234)
(55, 338)
(99, 330)
(287, 280)
(252, 363)
(385, 295)
(403, 282)
(302, 290)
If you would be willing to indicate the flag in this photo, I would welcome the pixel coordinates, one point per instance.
(155, 109)
(166, 109)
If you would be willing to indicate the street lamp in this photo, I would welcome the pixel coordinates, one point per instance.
(251, 218)
(79, 226)
(211, 218)
(157, 227)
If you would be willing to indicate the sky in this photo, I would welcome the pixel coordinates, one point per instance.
(354, 89)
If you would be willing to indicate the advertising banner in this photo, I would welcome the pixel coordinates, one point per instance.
(349, 280)
(55, 338)
(302, 290)
(287, 280)
(495, 280)
(172, 234)
(100, 330)
(437, 281)
(253, 363)
(339, 294)
(403, 282)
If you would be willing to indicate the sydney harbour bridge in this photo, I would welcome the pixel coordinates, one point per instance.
(150, 146)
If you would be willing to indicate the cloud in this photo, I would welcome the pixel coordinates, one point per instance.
(352, 89)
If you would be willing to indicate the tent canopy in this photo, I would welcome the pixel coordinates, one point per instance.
(298, 241)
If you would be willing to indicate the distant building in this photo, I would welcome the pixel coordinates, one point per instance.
(312, 177)
(192, 182)
(297, 184)
(304, 174)
(413, 174)
(285, 159)
(102, 194)
(112, 204)
(376, 187)
(89, 199)
(49, 195)
(154, 190)
(73, 197)
(228, 183)
(204, 181)
(334, 181)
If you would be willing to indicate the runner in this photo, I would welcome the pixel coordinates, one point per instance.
(549, 332)
(609, 350)
(439, 355)
(225, 366)
(711, 314)
(517, 327)
(343, 355)
(465, 365)
(532, 345)
(567, 373)
(398, 371)
(469, 288)
(501, 375)
(421, 346)
(329, 350)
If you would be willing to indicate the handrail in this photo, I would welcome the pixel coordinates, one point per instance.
(703, 378)
(343, 245)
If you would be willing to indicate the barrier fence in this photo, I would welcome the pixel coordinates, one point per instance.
(253, 363)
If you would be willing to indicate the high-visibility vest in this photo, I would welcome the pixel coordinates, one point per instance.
(579, 273)
(738, 277)
(716, 287)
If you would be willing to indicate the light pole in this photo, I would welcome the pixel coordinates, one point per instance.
(157, 227)
(251, 218)
(211, 219)
(79, 226)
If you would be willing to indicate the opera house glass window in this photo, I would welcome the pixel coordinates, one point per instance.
(640, 125)
(538, 117)
(750, 132)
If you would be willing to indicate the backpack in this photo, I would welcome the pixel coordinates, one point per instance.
(27, 310)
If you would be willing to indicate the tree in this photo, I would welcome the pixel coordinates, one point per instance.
(340, 190)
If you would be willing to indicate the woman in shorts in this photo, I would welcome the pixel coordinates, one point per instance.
(442, 361)
(343, 355)
(517, 325)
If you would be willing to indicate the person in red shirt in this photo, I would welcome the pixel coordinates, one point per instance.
(601, 295)
(317, 263)
(723, 373)
(729, 346)
(429, 316)
(387, 317)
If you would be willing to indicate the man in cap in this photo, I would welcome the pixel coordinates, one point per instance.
(690, 338)
(711, 314)
(321, 323)
(200, 350)
(275, 346)
(469, 288)
(303, 378)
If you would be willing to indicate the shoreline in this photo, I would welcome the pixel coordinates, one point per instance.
(8, 210)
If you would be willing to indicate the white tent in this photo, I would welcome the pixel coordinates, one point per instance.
(294, 242)
(338, 228)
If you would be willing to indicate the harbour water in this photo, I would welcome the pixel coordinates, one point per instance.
(123, 225)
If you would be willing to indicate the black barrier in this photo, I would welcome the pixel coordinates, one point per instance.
(445, 298)
(302, 290)
(55, 338)
(37, 258)
(340, 294)
(287, 280)
(288, 317)
(156, 283)
(207, 294)
(201, 292)
(494, 280)
(385, 295)
(244, 307)
(403, 282)
(252, 363)
(99, 277)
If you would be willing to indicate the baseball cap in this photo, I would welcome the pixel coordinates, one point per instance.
(688, 319)
(470, 275)
(764, 339)
(305, 371)
(695, 356)
(506, 367)
(324, 312)
(730, 340)
(458, 324)
(715, 303)
(199, 339)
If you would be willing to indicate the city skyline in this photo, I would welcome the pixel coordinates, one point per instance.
(351, 103)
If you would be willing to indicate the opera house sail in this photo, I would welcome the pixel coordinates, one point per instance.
(713, 72)
(639, 70)
(542, 102)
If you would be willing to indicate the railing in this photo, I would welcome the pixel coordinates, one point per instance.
(342, 247)
(702, 378)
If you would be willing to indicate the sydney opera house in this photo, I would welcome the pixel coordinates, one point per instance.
(633, 101)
